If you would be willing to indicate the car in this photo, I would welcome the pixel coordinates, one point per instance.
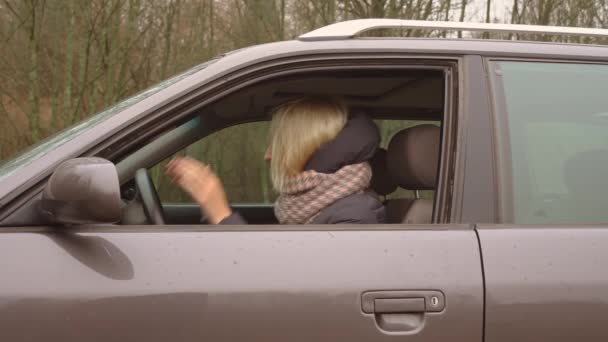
(499, 232)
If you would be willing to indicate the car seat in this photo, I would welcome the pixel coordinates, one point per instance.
(412, 161)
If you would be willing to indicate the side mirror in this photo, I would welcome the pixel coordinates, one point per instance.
(83, 190)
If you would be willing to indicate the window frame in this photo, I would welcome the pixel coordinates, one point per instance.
(444, 199)
(21, 206)
(500, 128)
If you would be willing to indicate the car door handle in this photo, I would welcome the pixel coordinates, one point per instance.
(402, 311)
(402, 301)
(396, 305)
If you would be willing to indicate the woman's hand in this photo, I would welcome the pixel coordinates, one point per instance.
(203, 185)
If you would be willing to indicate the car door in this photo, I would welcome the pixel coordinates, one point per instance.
(544, 266)
(249, 283)
(243, 283)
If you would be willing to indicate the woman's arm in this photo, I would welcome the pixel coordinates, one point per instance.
(204, 187)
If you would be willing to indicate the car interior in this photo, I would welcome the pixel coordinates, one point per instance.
(407, 105)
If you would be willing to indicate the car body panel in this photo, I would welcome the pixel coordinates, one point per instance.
(545, 283)
(188, 284)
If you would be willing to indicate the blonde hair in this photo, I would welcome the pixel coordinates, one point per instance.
(297, 130)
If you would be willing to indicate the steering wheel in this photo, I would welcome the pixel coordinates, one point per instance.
(149, 197)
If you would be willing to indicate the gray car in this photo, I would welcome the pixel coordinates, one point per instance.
(509, 244)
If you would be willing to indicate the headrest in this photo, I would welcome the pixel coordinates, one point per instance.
(413, 157)
(382, 183)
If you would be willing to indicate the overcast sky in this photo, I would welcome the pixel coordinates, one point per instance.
(498, 9)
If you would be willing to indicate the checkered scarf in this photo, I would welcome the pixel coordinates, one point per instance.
(306, 194)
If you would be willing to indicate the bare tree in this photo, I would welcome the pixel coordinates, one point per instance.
(488, 6)
(463, 7)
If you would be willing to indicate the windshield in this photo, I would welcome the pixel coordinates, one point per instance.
(34, 152)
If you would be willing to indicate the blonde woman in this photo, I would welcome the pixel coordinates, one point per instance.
(318, 156)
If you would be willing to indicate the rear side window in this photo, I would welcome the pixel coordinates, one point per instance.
(552, 125)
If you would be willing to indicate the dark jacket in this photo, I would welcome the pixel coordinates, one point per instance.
(356, 143)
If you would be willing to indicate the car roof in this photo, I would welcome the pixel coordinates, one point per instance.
(347, 30)
(353, 28)
(433, 46)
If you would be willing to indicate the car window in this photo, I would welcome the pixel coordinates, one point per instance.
(553, 131)
(236, 154)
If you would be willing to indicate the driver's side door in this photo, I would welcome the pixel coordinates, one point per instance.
(248, 283)
(194, 282)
